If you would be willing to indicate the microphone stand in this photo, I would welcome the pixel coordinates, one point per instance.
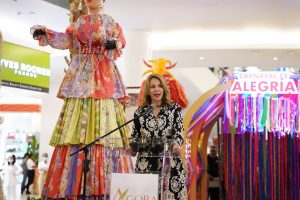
(85, 149)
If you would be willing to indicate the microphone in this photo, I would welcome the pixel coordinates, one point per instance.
(152, 106)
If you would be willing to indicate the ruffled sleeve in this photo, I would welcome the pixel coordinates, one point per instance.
(136, 127)
(136, 133)
(118, 36)
(177, 126)
(57, 40)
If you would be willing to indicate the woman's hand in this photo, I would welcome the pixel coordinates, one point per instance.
(129, 151)
(176, 149)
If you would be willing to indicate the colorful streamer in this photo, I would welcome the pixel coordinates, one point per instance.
(260, 143)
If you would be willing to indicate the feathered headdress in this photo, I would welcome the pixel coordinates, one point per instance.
(162, 66)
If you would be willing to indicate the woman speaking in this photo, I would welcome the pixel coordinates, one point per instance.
(164, 123)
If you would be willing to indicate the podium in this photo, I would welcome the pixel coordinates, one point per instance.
(124, 180)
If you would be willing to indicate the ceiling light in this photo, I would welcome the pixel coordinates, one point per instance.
(201, 58)
(224, 39)
(275, 58)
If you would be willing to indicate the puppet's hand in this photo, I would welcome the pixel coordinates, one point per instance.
(37, 33)
(109, 45)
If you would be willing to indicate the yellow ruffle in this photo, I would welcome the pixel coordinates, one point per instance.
(81, 121)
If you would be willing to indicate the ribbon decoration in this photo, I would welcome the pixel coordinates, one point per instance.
(260, 143)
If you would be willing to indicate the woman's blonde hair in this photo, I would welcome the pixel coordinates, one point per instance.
(146, 98)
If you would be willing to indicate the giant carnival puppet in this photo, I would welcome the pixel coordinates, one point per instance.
(92, 90)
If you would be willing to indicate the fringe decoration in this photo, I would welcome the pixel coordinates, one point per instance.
(261, 166)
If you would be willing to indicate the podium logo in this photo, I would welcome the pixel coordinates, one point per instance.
(127, 196)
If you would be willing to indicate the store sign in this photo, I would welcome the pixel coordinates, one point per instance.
(134, 186)
(11, 136)
(25, 68)
(263, 83)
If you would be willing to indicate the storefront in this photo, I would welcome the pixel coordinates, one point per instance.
(21, 129)
(25, 73)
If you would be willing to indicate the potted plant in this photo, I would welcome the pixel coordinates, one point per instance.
(33, 149)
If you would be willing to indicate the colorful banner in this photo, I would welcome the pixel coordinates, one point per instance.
(260, 140)
(263, 83)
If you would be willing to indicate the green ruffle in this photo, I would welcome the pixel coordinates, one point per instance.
(81, 121)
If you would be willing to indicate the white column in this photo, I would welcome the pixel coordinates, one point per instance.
(131, 63)
(51, 105)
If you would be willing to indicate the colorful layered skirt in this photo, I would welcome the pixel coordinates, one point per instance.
(81, 121)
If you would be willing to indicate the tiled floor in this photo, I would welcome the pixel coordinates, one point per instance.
(18, 195)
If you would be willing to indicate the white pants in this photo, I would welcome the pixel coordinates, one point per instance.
(10, 192)
(41, 182)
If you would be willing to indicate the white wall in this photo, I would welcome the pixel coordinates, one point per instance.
(51, 105)
(131, 63)
(50, 111)
(195, 81)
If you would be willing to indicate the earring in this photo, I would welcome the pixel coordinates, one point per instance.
(80, 6)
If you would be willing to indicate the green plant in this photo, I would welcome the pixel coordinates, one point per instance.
(32, 198)
(33, 148)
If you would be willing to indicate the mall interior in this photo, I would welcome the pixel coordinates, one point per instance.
(236, 64)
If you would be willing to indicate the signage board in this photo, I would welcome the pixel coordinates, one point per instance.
(134, 186)
(25, 68)
(255, 83)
